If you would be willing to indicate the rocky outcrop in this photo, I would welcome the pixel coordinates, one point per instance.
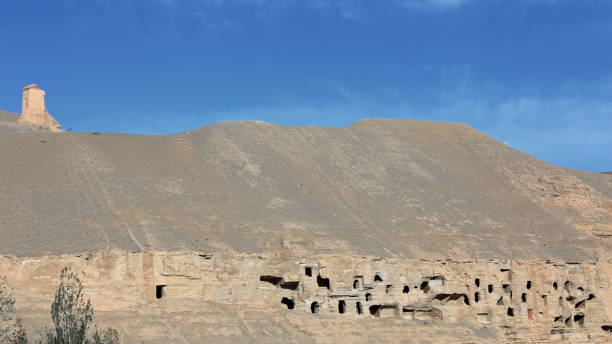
(33, 109)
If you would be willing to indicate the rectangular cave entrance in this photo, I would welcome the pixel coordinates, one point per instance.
(341, 306)
(290, 285)
(271, 279)
(384, 310)
(323, 282)
(579, 319)
(160, 291)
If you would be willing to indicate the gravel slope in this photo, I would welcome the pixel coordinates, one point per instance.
(379, 187)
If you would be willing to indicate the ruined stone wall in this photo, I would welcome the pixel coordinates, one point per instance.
(510, 300)
(33, 109)
(33, 101)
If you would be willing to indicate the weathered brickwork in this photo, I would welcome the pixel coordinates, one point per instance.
(33, 109)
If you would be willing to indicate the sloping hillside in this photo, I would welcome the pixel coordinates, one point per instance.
(378, 187)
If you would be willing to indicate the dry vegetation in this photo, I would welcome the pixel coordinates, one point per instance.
(71, 313)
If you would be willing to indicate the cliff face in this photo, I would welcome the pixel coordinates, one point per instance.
(227, 218)
(284, 296)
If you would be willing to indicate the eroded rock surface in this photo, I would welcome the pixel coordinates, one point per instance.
(238, 297)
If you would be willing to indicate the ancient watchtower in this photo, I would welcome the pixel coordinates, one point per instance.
(33, 109)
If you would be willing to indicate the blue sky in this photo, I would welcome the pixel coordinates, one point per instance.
(536, 74)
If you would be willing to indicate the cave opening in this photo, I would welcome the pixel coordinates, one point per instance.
(314, 307)
(160, 291)
(271, 279)
(290, 285)
(323, 282)
(341, 306)
(408, 309)
(288, 302)
(444, 298)
(510, 312)
(308, 271)
(386, 310)
(375, 310)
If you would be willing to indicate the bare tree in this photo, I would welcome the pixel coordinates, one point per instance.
(108, 336)
(11, 327)
(70, 312)
(72, 316)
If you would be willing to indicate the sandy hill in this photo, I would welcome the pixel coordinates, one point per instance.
(9, 124)
(379, 187)
(385, 231)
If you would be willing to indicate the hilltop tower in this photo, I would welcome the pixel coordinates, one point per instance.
(33, 109)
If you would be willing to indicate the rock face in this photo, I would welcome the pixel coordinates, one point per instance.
(384, 231)
(33, 109)
(192, 297)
